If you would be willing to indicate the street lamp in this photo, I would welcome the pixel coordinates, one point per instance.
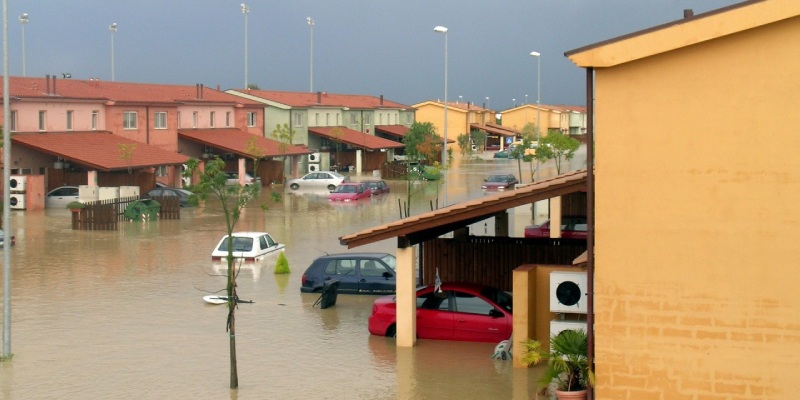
(442, 29)
(23, 20)
(526, 99)
(113, 29)
(311, 62)
(487, 103)
(245, 11)
(514, 101)
(538, 106)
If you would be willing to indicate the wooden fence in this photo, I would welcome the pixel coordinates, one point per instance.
(491, 260)
(105, 215)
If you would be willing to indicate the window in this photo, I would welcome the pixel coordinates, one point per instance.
(194, 119)
(380, 119)
(179, 119)
(316, 119)
(353, 120)
(13, 121)
(372, 268)
(467, 303)
(298, 119)
(161, 170)
(160, 120)
(228, 119)
(341, 267)
(42, 120)
(69, 120)
(337, 119)
(367, 119)
(129, 120)
(211, 119)
(251, 119)
(327, 119)
(95, 118)
(408, 118)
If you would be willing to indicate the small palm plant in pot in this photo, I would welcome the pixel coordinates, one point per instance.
(568, 364)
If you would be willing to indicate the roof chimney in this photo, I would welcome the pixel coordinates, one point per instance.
(54, 86)
(688, 13)
(319, 97)
(196, 90)
(48, 83)
(201, 90)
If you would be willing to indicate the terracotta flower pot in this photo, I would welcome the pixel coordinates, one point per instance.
(575, 395)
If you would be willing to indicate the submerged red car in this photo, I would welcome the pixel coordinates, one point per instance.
(350, 191)
(571, 228)
(459, 311)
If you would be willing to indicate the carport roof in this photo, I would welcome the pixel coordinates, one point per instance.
(394, 130)
(98, 150)
(236, 141)
(419, 228)
(495, 129)
(356, 138)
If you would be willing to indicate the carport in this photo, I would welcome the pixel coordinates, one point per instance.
(428, 226)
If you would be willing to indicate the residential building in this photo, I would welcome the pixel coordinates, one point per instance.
(555, 118)
(462, 118)
(696, 227)
(357, 132)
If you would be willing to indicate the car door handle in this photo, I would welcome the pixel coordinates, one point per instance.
(493, 329)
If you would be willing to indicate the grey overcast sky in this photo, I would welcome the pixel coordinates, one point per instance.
(372, 47)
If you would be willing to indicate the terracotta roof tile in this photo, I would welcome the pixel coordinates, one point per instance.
(98, 150)
(356, 138)
(236, 141)
(394, 130)
(323, 99)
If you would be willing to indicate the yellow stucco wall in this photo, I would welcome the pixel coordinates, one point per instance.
(434, 113)
(518, 117)
(698, 220)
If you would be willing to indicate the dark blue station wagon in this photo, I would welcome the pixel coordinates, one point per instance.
(357, 273)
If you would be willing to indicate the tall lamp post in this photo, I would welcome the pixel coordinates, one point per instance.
(245, 11)
(311, 61)
(113, 29)
(23, 20)
(538, 106)
(442, 29)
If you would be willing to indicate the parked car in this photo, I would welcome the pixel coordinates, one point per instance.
(357, 273)
(500, 182)
(317, 180)
(166, 191)
(247, 246)
(350, 191)
(378, 186)
(572, 227)
(233, 179)
(61, 196)
(458, 311)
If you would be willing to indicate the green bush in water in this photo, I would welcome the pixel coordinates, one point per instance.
(282, 266)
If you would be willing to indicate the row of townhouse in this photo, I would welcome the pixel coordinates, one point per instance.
(93, 132)
(462, 118)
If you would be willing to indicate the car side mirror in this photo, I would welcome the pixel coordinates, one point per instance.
(494, 313)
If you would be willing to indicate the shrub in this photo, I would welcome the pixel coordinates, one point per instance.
(282, 266)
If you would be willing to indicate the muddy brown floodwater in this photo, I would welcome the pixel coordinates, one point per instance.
(119, 315)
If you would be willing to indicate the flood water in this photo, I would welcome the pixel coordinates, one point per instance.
(120, 315)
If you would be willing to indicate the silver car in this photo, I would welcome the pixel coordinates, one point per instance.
(317, 180)
(61, 196)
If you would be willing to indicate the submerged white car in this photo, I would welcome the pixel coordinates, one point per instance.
(247, 246)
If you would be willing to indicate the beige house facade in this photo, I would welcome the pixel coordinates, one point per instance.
(460, 116)
(697, 219)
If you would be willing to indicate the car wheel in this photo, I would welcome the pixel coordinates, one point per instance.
(392, 331)
(294, 186)
(331, 187)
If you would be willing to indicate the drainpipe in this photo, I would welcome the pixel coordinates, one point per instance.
(590, 219)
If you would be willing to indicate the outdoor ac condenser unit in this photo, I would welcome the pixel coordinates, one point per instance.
(18, 183)
(17, 201)
(568, 292)
(313, 167)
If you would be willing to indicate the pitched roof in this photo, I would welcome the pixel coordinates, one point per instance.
(235, 141)
(125, 92)
(419, 228)
(394, 130)
(495, 129)
(454, 105)
(684, 32)
(549, 107)
(98, 150)
(321, 99)
(355, 138)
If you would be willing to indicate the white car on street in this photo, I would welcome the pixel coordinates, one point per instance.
(317, 180)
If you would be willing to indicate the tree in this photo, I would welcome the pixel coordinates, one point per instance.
(479, 138)
(557, 146)
(523, 152)
(126, 153)
(255, 152)
(422, 142)
(285, 136)
(337, 134)
(233, 199)
(464, 144)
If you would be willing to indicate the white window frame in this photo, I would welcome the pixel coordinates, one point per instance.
(251, 119)
(211, 119)
(161, 170)
(13, 122)
(367, 119)
(353, 120)
(95, 119)
(160, 120)
(228, 119)
(298, 119)
(130, 120)
(194, 119)
(70, 115)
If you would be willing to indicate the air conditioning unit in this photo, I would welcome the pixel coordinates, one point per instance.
(18, 183)
(129, 191)
(314, 157)
(313, 167)
(17, 201)
(88, 193)
(568, 292)
(557, 326)
(108, 193)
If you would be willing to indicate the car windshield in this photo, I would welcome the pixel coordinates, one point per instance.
(346, 189)
(373, 185)
(390, 260)
(239, 244)
(499, 297)
(497, 178)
